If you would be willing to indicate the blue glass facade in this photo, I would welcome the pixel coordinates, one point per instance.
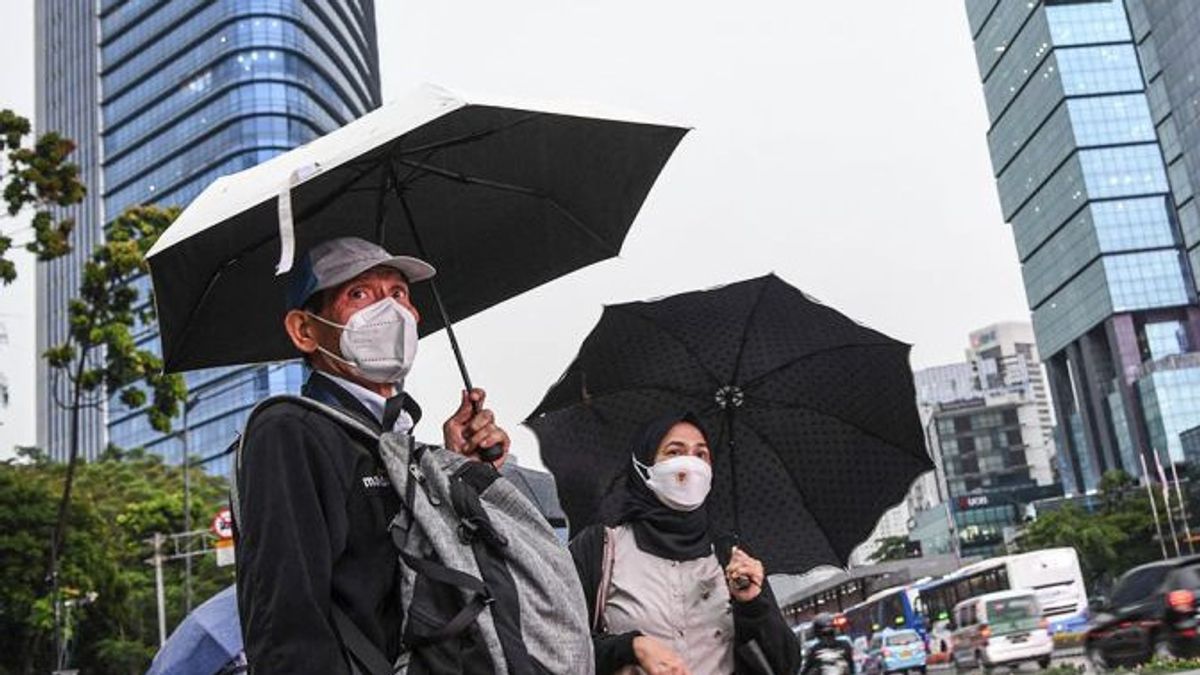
(190, 91)
(1171, 398)
(1078, 153)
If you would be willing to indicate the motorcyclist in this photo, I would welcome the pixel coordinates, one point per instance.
(829, 655)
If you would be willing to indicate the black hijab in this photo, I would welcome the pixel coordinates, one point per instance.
(657, 528)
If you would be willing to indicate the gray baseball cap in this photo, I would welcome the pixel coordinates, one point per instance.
(338, 260)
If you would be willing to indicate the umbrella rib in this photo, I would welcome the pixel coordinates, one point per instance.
(333, 196)
(767, 443)
(467, 138)
(788, 364)
(212, 282)
(715, 377)
(274, 235)
(737, 363)
(772, 404)
(459, 177)
(591, 398)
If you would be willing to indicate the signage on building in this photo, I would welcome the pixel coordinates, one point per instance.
(960, 404)
(985, 338)
(973, 502)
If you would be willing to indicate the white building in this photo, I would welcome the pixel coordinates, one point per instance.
(894, 523)
(1000, 377)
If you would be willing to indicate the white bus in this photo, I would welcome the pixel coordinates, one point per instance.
(1052, 574)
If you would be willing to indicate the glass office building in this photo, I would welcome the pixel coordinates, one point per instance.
(190, 91)
(67, 95)
(1084, 180)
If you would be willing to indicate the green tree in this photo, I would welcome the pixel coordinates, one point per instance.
(1118, 536)
(36, 177)
(890, 548)
(100, 358)
(119, 503)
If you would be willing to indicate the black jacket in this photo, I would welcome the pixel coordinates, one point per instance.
(829, 653)
(315, 507)
(759, 620)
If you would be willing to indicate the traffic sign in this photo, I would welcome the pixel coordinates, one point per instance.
(222, 524)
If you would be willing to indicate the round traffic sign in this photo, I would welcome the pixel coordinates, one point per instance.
(222, 524)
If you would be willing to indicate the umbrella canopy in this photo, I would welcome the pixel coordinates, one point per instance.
(812, 417)
(500, 197)
(205, 642)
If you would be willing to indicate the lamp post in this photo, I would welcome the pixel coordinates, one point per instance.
(205, 392)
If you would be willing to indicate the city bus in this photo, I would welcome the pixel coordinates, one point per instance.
(1052, 574)
(895, 608)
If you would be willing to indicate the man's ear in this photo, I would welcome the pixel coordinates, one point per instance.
(301, 329)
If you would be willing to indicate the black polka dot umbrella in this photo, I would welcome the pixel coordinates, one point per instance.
(812, 417)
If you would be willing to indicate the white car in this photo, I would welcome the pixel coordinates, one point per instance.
(1004, 628)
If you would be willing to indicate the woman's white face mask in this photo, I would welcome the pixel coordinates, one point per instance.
(681, 483)
(379, 341)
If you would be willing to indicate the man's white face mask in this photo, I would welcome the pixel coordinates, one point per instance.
(379, 341)
(681, 483)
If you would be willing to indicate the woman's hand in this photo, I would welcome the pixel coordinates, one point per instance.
(656, 658)
(744, 575)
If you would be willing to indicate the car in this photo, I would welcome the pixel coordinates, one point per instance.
(1151, 612)
(895, 651)
(860, 653)
(1000, 629)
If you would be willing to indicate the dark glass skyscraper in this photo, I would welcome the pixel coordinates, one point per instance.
(189, 91)
(1081, 166)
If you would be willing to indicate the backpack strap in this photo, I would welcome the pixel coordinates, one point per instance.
(489, 545)
(477, 593)
(364, 655)
(606, 572)
(345, 419)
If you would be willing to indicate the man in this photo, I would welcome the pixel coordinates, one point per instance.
(830, 655)
(316, 500)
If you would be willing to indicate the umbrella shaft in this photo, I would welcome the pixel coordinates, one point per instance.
(458, 357)
(489, 454)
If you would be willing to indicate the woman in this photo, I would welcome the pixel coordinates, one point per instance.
(661, 596)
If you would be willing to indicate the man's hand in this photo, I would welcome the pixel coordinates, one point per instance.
(656, 658)
(742, 566)
(467, 431)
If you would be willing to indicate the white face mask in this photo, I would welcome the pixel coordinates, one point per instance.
(681, 483)
(379, 341)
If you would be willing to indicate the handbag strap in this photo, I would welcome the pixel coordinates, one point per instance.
(606, 572)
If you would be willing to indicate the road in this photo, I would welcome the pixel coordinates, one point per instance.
(1062, 659)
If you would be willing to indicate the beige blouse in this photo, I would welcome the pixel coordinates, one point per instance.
(685, 604)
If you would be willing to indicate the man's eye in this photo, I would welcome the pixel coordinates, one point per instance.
(358, 294)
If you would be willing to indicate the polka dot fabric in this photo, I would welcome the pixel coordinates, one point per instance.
(812, 416)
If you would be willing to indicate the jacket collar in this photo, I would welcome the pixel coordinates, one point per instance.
(323, 389)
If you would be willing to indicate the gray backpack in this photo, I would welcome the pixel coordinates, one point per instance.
(486, 585)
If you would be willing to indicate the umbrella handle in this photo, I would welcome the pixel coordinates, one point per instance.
(492, 453)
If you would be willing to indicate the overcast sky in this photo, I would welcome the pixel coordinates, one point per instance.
(840, 145)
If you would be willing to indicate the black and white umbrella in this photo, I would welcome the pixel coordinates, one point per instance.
(500, 197)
